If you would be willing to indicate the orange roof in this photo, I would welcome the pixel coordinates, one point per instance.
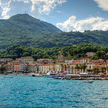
(74, 63)
(99, 65)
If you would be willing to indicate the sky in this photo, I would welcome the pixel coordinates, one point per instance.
(67, 15)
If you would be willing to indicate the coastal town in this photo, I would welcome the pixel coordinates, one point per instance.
(61, 66)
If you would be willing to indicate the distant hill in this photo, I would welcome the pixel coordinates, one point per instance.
(23, 29)
(70, 38)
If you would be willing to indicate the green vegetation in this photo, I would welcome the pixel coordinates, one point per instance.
(25, 30)
(71, 38)
(73, 52)
(2, 69)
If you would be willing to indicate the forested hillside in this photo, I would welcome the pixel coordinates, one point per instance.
(25, 30)
(72, 52)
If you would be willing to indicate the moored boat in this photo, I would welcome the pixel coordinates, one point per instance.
(51, 73)
(88, 81)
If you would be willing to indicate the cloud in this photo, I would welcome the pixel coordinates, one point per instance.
(45, 6)
(102, 4)
(93, 23)
(33, 7)
(5, 8)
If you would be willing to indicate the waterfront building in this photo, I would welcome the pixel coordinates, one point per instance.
(61, 67)
(60, 61)
(16, 67)
(44, 68)
(75, 68)
(32, 68)
(58, 68)
(5, 60)
(90, 65)
(23, 67)
(10, 67)
(27, 60)
(84, 60)
(102, 67)
(69, 61)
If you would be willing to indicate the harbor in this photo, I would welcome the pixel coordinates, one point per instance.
(76, 77)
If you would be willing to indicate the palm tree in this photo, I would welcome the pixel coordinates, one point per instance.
(2, 69)
(83, 67)
(77, 67)
(65, 66)
(61, 67)
(103, 69)
(96, 70)
(90, 70)
(107, 69)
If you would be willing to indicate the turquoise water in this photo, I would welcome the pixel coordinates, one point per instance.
(38, 92)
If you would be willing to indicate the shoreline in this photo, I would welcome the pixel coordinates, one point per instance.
(59, 77)
(81, 78)
(23, 74)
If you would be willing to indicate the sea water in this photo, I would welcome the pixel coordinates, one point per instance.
(40, 92)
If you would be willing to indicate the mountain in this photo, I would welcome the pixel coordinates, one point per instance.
(23, 29)
(70, 38)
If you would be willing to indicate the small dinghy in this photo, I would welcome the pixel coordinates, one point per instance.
(88, 81)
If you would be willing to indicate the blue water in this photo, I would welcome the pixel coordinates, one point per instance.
(39, 92)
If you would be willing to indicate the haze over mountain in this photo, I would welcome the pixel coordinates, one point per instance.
(25, 30)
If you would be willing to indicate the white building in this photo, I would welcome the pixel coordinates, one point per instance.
(90, 54)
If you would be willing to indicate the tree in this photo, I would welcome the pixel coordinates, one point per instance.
(65, 66)
(68, 56)
(77, 67)
(69, 52)
(62, 66)
(96, 70)
(103, 69)
(2, 69)
(90, 70)
(83, 66)
(101, 54)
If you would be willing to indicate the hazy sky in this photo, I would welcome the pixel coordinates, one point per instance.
(68, 15)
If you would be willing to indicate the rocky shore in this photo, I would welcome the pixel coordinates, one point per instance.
(78, 77)
(83, 78)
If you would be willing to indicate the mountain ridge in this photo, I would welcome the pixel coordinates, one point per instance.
(23, 29)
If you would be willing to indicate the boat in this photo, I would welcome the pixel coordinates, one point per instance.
(35, 75)
(88, 81)
(51, 73)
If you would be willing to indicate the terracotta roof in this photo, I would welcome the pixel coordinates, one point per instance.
(74, 63)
